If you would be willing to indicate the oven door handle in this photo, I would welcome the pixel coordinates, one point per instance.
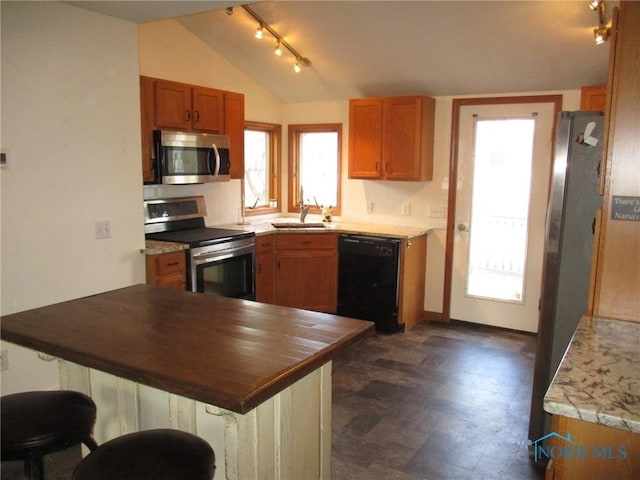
(205, 257)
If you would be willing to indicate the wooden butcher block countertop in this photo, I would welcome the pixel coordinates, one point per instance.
(231, 353)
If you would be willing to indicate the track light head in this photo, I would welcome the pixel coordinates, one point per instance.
(228, 11)
(278, 49)
(259, 32)
(601, 34)
(594, 4)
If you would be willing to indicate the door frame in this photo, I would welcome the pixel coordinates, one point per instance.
(458, 103)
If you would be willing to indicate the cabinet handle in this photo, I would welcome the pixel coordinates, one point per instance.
(196, 116)
(409, 243)
(258, 268)
(173, 264)
(187, 115)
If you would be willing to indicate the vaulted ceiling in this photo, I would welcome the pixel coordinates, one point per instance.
(371, 48)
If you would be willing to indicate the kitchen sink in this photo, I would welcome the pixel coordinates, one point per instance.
(298, 225)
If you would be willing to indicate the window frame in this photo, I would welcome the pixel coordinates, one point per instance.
(293, 183)
(275, 157)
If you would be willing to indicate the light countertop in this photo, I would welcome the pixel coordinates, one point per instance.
(598, 380)
(357, 228)
(154, 247)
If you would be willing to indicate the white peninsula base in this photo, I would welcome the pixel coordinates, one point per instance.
(286, 437)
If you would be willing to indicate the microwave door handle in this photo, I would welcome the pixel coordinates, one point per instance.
(217, 154)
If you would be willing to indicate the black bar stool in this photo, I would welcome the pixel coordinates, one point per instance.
(161, 454)
(35, 424)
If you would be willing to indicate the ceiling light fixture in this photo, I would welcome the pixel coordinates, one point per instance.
(301, 61)
(601, 32)
(594, 4)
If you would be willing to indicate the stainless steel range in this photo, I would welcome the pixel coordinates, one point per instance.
(219, 261)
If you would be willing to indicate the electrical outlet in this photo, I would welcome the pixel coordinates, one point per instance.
(103, 229)
(4, 359)
(437, 212)
(369, 207)
(406, 209)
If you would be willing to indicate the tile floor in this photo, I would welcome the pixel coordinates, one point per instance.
(438, 402)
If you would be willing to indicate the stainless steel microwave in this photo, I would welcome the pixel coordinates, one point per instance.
(187, 157)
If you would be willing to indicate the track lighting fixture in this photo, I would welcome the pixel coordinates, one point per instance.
(300, 61)
(228, 11)
(601, 32)
(594, 4)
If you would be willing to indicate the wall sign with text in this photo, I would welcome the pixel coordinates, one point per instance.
(625, 208)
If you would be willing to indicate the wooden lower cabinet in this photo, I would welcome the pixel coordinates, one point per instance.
(306, 271)
(167, 270)
(265, 268)
(413, 259)
(596, 451)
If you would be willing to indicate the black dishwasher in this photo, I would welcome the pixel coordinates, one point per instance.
(368, 280)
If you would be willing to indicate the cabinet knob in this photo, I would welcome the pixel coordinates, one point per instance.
(187, 115)
(196, 116)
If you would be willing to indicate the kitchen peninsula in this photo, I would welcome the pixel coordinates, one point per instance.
(595, 402)
(254, 380)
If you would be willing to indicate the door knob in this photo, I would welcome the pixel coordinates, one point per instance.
(462, 227)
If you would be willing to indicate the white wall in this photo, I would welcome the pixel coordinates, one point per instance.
(162, 47)
(70, 128)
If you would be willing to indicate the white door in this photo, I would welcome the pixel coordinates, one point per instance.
(504, 161)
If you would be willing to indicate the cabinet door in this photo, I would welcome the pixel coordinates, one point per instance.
(207, 113)
(307, 279)
(147, 125)
(264, 269)
(594, 98)
(234, 127)
(413, 259)
(403, 141)
(173, 105)
(365, 138)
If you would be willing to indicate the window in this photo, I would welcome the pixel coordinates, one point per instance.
(314, 166)
(261, 165)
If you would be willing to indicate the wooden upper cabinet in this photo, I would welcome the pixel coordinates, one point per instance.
(179, 106)
(594, 98)
(207, 110)
(234, 127)
(365, 138)
(185, 107)
(147, 120)
(391, 138)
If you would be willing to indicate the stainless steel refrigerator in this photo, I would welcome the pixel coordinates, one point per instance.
(568, 250)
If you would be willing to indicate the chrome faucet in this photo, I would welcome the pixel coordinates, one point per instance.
(304, 209)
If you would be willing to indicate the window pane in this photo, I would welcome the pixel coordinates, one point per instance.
(256, 168)
(319, 167)
(500, 208)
